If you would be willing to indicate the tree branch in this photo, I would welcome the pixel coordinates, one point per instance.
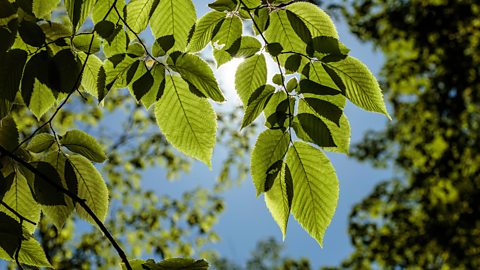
(4, 204)
(75, 198)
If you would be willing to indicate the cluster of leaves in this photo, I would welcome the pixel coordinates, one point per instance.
(45, 62)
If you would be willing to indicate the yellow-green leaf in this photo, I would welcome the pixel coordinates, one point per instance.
(187, 121)
(315, 186)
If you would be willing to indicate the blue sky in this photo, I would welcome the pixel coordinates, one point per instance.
(247, 220)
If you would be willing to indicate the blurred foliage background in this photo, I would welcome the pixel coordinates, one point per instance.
(426, 218)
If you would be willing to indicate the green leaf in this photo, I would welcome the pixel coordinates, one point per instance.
(138, 14)
(313, 129)
(10, 236)
(11, 71)
(280, 31)
(257, 102)
(245, 47)
(299, 27)
(317, 21)
(82, 43)
(223, 5)
(278, 79)
(58, 214)
(228, 33)
(197, 72)
(91, 188)
(37, 68)
(312, 87)
(41, 142)
(326, 109)
(255, 69)
(156, 91)
(271, 146)
(277, 110)
(361, 86)
(80, 142)
(43, 8)
(221, 57)
(177, 264)
(142, 85)
(252, 3)
(45, 192)
(66, 80)
(90, 73)
(174, 17)
(340, 132)
(166, 42)
(102, 7)
(42, 99)
(19, 197)
(279, 198)
(117, 43)
(105, 29)
(8, 133)
(78, 11)
(292, 85)
(116, 76)
(274, 49)
(31, 33)
(315, 186)
(262, 18)
(31, 253)
(293, 63)
(204, 30)
(7, 39)
(7, 9)
(187, 121)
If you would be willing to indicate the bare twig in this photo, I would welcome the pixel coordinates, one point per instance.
(4, 204)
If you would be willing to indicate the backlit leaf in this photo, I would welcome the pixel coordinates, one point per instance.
(187, 121)
(257, 102)
(271, 146)
(80, 142)
(138, 14)
(279, 198)
(91, 188)
(315, 186)
(197, 72)
(361, 86)
(20, 198)
(203, 33)
(228, 33)
(174, 17)
(78, 10)
(250, 75)
(41, 142)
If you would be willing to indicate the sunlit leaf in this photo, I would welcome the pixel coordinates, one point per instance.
(187, 121)
(197, 72)
(271, 146)
(255, 69)
(78, 10)
(228, 33)
(203, 33)
(279, 198)
(138, 14)
(41, 142)
(361, 86)
(174, 17)
(257, 102)
(91, 188)
(80, 142)
(315, 186)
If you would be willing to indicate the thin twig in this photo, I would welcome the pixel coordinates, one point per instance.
(4, 204)
(75, 198)
(290, 113)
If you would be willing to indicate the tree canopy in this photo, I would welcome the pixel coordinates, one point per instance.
(428, 216)
(62, 59)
